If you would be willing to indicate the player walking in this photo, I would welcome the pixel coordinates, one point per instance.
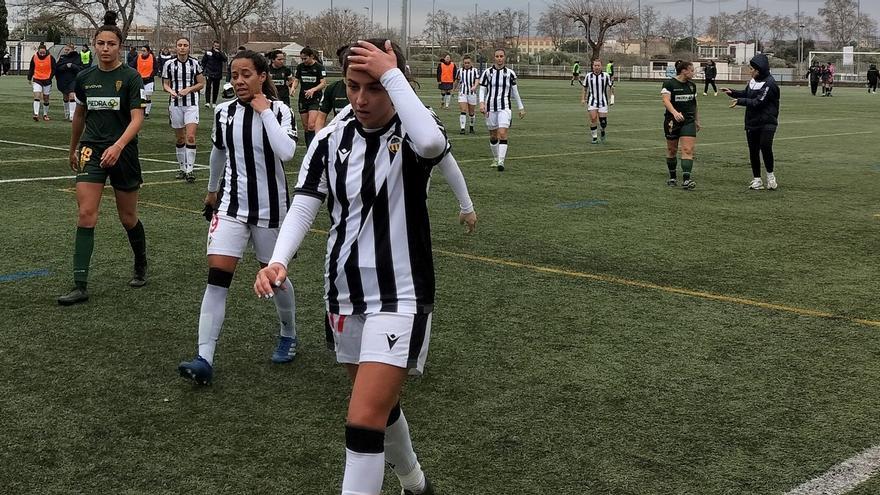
(147, 66)
(214, 63)
(182, 78)
(40, 75)
(68, 66)
(311, 78)
(681, 122)
(467, 78)
(497, 86)
(597, 94)
(445, 79)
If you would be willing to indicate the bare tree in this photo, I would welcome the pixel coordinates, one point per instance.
(93, 10)
(596, 18)
(780, 26)
(843, 24)
(443, 28)
(220, 16)
(555, 25)
(330, 30)
(672, 30)
(647, 21)
(722, 27)
(755, 23)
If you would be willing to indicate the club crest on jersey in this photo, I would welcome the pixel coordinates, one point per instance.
(118, 86)
(394, 144)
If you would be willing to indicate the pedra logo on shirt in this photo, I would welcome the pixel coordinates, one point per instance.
(102, 103)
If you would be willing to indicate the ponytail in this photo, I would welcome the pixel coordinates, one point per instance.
(110, 25)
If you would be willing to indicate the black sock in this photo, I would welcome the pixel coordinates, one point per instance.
(309, 136)
(672, 164)
(138, 241)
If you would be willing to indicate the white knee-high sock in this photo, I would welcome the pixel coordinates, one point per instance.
(181, 156)
(364, 473)
(399, 454)
(285, 304)
(46, 108)
(149, 107)
(494, 147)
(66, 108)
(190, 157)
(72, 105)
(502, 150)
(37, 104)
(211, 320)
(462, 120)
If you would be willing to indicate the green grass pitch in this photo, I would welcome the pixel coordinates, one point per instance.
(601, 333)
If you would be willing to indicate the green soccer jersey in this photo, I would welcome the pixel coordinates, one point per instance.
(309, 76)
(335, 97)
(280, 75)
(683, 96)
(108, 97)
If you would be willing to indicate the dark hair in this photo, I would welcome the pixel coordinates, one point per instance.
(466, 56)
(215, 41)
(345, 51)
(502, 50)
(110, 25)
(272, 55)
(261, 64)
(241, 48)
(681, 65)
(182, 38)
(308, 52)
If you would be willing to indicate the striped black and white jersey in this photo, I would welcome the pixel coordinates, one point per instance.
(254, 187)
(379, 244)
(499, 83)
(597, 86)
(182, 75)
(468, 80)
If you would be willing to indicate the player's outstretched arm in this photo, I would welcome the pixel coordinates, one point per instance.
(452, 173)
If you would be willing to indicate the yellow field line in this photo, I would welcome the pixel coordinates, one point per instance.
(603, 278)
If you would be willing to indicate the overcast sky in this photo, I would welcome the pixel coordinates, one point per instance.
(461, 8)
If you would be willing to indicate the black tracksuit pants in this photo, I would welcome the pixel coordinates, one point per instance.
(212, 88)
(712, 82)
(760, 144)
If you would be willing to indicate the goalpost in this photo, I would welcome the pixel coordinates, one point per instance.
(849, 65)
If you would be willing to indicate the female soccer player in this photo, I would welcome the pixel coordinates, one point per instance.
(103, 143)
(374, 162)
(497, 86)
(710, 73)
(761, 99)
(311, 78)
(146, 66)
(253, 137)
(68, 66)
(873, 78)
(182, 78)
(681, 122)
(467, 78)
(599, 87)
(40, 75)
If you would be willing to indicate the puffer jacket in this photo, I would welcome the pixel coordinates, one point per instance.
(761, 97)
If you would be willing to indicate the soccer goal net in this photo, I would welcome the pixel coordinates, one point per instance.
(849, 65)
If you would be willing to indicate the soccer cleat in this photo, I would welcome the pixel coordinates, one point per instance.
(716, 93)
(461, 131)
(198, 371)
(771, 183)
(704, 94)
(139, 278)
(494, 163)
(501, 166)
(207, 105)
(146, 116)
(602, 138)
(688, 184)
(429, 490)
(594, 141)
(36, 118)
(671, 182)
(46, 118)
(190, 177)
(76, 296)
(180, 175)
(472, 130)
(756, 184)
(285, 352)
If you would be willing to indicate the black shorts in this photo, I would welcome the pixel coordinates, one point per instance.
(124, 176)
(445, 86)
(674, 130)
(308, 104)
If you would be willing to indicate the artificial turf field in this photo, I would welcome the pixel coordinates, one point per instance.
(601, 333)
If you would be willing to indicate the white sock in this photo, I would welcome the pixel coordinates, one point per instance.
(36, 107)
(149, 107)
(190, 158)
(211, 320)
(502, 151)
(399, 454)
(45, 109)
(181, 157)
(72, 108)
(462, 120)
(594, 132)
(285, 304)
(364, 473)
(66, 108)
(494, 148)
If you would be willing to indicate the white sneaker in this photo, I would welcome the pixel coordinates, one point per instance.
(756, 184)
(207, 105)
(771, 182)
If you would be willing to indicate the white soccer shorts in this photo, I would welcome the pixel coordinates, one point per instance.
(148, 90)
(501, 118)
(181, 116)
(39, 88)
(593, 108)
(229, 236)
(396, 339)
(469, 99)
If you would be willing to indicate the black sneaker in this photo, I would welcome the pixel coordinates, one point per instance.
(429, 490)
(501, 167)
(139, 279)
(671, 182)
(190, 177)
(688, 184)
(180, 175)
(461, 131)
(76, 296)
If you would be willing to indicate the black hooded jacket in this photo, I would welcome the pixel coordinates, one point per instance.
(873, 74)
(761, 97)
(66, 69)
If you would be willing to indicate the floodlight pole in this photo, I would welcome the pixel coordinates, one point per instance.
(692, 27)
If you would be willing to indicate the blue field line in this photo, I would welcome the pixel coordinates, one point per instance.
(12, 277)
(587, 203)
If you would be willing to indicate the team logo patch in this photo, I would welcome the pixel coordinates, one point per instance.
(118, 86)
(394, 144)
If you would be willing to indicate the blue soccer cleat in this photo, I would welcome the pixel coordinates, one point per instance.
(286, 350)
(198, 370)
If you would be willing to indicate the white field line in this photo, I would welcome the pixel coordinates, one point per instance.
(843, 477)
(66, 149)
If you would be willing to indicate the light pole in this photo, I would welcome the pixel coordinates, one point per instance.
(367, 31)
(387, 15)
(433, 24)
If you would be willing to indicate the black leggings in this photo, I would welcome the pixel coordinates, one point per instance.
(872, 85)
(708, 82)
(212, 87)
(760, 144)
